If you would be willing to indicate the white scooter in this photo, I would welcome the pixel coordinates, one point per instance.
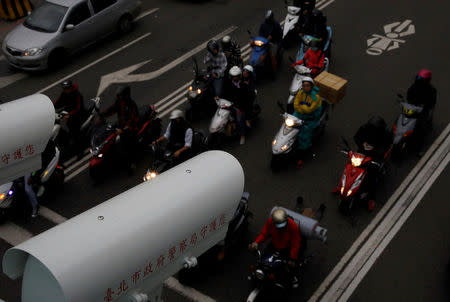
(301, 72)
(224, 121)
(286, 139)
(289, 30)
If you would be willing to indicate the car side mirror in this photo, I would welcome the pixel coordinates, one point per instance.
(69, 27)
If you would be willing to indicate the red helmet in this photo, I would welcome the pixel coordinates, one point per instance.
(424, 74)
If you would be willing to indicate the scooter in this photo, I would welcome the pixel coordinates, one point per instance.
(224, 121)
(200, 95)
(352, 187)
(163, 158)
(405, 128)
(271, 274)
(306, 44)
(260, 58)
(285, 141)
(63, 139)
(301, 72)
(290, 31)
(104, 143)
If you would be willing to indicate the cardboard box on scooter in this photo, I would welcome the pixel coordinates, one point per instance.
(331, 87)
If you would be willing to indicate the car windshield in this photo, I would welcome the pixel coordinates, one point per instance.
(46, 18)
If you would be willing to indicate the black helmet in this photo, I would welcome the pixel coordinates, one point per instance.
(317, 13)
(123, 91)
(67, 84)
(377, 122)
(269, 16)
(319, 16)
(212, 44)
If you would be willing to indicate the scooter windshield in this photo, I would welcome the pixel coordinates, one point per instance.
(100, 135)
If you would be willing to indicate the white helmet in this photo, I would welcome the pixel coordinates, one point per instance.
(249, 68)
(235, 71)
(308, 79)
(176, 114)
(226, 39)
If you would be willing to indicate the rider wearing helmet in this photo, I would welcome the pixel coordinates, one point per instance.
(422, 93)
(271, 30)
(217, 62)
(127, 121)
(285, 235)
(374, 140)
(72, 101)
(232, 51)
(179, 134)
(314, 59)
(239, 92)
(308, 107)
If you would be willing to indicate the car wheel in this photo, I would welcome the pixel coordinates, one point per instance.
(125, 24)
(56, 59)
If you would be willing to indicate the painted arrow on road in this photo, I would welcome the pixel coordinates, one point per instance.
(125, 75)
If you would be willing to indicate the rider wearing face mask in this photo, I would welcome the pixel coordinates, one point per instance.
(314, 59)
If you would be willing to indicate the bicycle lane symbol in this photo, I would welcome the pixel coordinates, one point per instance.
(378, 44)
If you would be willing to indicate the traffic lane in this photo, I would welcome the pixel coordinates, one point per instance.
(176, 28)
(413, 267)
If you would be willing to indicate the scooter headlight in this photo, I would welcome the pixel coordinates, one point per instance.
(199, 91)
(356, 161)
(150, 175)
(190, 88)
(349, 193)
(289, 122)
(284, 148)
(100, 155)
(274, 142)
(258, 43)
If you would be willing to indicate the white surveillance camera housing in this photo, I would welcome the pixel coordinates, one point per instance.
(123, 249)
(26, 125)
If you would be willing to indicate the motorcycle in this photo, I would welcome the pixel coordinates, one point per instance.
(260, 58)
(106, 145)
(301, 72)
(285, 141)
(290, 31)
(405, 128)
(353, 186)
(306, 44)
(200, 95)
(63, 138)
(224, 121)
(163, 158)
(271, 273)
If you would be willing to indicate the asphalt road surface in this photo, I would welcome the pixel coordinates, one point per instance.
(181, 26)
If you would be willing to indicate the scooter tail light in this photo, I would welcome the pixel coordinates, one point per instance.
(394, 128)
(408, 133)
(272, 276)
(252, 268)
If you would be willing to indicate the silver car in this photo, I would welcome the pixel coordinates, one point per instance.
(58, 28)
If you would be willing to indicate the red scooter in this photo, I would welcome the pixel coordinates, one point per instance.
(353, 186)
(105, 141)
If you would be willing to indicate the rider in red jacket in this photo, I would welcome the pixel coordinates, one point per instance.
(285, 234)
(314, 59)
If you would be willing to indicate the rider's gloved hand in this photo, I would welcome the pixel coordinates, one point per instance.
(253, 246)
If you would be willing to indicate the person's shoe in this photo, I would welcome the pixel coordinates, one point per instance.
(295, 282)
(371, 205)
(242, 141)
(299, 164)
(35, 212)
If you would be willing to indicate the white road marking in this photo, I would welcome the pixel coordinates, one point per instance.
(125, 75)
(322, 6)
(182, 89)
(384, 211)
(167, 104)
(76, 172)
(394, 230)
(145, 14)
(95, 62)
(75, 165)
(185, 291)
(51, 215)
(14, 234)
(167, 111)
